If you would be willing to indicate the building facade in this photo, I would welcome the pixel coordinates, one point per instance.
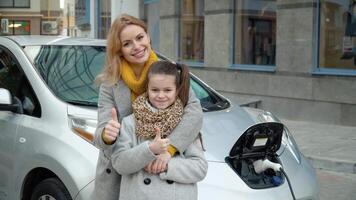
(297, 57)
(76, 18)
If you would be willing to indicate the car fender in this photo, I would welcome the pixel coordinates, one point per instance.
(71, 166)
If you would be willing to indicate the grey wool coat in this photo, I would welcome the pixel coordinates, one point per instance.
(131, 154)
(107, 180)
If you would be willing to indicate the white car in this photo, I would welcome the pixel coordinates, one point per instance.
(48, 113)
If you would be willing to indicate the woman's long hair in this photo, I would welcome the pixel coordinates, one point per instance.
(112, 69)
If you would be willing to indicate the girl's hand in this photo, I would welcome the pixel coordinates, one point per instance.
(160, 164)
(112, 128)
(159, 145)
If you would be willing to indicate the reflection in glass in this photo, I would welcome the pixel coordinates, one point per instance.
(69, 71)
(192, 31)
(337, 34)
(255, 32)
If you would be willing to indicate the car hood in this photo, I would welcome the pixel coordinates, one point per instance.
(221, 130)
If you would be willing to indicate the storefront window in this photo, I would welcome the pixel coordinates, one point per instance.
(192, 31)
(16, 27)
(337, 35)
(21, 27)
(255, 32)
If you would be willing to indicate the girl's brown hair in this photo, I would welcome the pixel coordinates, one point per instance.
(112, 69)
(180, 71)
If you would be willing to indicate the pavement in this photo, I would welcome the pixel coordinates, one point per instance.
(326, 146)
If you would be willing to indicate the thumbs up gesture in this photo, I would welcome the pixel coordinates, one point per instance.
(159, 145)
(112, 128)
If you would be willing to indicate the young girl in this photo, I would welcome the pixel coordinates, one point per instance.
(143, 136)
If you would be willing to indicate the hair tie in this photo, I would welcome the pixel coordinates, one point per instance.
(179, 67)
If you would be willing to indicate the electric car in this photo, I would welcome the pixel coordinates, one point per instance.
(48, 115)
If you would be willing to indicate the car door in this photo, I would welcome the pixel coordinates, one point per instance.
(10, 75)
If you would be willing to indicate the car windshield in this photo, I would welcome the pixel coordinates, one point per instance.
(70, 71)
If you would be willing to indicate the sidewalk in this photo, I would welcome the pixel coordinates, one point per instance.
(329, 147)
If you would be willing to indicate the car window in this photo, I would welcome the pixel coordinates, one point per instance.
(70, 71)
(13, 79)
(201, 93)
(209, 100)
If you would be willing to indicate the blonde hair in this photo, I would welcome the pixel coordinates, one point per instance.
(113, 67)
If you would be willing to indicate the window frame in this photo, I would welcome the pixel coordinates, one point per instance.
(246, 67)
(317, 69)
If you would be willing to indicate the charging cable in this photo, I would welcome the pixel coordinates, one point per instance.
(290, 185)
(261, 166)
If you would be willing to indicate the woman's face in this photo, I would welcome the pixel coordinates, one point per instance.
(136, 45)
(162, 90)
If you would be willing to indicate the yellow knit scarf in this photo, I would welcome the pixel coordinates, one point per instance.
(137, 86)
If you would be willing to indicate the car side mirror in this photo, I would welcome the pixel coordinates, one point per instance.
(5, 97)
(7, 103)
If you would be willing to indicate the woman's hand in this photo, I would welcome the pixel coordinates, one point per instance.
(112, 128)
(160, 164)
(159, 145)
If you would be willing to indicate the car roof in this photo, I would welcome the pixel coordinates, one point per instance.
(34, 40)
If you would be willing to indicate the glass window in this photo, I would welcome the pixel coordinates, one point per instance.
(14, 3)
(255, 32)
(69, 71)
(21, 3)
(104, 18)
(152, 15)
(192, 31)
(209, 100)
(21, 27)
(337, 35)
(13, 79)
(17, 27)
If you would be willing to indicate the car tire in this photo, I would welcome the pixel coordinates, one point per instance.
(50, 189)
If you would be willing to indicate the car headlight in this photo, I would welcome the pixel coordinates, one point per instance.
(83, 127)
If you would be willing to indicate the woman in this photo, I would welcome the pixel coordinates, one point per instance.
(129, 56)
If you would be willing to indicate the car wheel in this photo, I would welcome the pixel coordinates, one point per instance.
(50, 189)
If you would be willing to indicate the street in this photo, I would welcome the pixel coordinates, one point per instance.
(336, 186)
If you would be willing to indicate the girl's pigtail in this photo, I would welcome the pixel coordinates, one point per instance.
(184, 80)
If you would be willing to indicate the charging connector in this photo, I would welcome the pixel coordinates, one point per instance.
(262, 165)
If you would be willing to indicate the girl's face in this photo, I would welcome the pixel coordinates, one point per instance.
(136, 45)
(162, 90)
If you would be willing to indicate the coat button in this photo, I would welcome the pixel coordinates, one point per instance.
(170, 181)
(108, 170)
(147, 181)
